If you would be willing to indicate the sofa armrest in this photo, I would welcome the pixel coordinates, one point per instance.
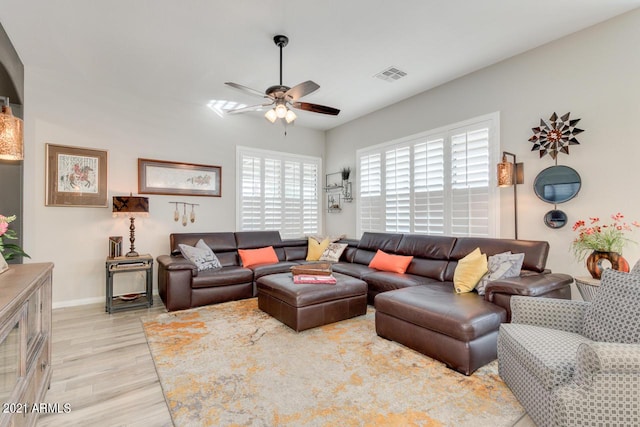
(172, 263)
(560, 314)
(533, 285)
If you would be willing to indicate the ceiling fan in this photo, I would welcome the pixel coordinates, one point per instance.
(281, 97)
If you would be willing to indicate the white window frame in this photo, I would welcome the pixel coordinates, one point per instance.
(493, 123)
(282, 157)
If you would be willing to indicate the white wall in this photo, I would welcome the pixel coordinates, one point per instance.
(72, 111)
(594, 74)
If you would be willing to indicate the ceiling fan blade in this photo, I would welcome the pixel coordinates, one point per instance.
(303, 89)
(249, 108)
(315, 108)
(246, 89)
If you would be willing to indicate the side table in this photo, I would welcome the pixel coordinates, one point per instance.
(588, 286)
(124, 264)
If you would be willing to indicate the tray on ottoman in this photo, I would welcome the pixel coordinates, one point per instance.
(305, 306)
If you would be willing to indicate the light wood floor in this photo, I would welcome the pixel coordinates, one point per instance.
(102, 367)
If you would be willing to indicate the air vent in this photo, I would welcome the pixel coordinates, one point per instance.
(391, 74)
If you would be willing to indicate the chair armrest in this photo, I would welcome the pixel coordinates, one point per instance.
(533, 285)
(605, 386)
(172, 263)
(605, 358)
(560, 314)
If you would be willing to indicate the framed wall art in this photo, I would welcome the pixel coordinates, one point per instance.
(186, 179)
(75, 176)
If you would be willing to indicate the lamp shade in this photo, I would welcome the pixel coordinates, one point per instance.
(11, 134)
(130, 205)
(271, 115)
(505, 174)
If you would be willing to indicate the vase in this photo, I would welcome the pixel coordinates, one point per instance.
(597, 263)
(3, 265)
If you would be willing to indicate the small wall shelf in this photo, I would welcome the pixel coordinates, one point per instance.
(334, 183)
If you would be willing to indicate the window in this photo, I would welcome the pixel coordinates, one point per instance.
(278, 191)
(437, 182)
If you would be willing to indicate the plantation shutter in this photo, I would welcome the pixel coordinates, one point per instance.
(437, 182)
(278, 191)
(429, 196)
(470, 182)
(251, 193)
(370, 201)
(397, 186)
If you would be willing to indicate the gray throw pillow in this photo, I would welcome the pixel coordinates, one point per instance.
(201, 255)
(613, 313)
(501, 266)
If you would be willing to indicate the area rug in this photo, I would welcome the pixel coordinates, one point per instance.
(231, 364)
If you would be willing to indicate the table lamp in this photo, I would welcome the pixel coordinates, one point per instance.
(131, 206)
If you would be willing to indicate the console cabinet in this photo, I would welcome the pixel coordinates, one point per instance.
(25, 341)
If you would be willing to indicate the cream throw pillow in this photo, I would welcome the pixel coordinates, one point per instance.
(333, 252)
(315, 250)
(469, 271)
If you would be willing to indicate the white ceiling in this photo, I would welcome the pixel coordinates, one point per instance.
(183, 51)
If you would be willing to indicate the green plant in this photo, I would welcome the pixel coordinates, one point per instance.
(9, 250)
(601, 237)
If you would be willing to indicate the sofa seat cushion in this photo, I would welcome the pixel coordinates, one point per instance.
(353, 270)
(224, 276)
(548, 354)
(383, 281)
(260, 270)
(464, 317)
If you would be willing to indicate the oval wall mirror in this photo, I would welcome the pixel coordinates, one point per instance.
(557, 184)
(555, 219)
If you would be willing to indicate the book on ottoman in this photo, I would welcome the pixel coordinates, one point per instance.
(312, 269)
(310, 278)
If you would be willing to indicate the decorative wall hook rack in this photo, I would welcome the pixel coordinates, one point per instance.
(192, 214)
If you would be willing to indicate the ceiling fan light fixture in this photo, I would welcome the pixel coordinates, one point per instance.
(290, 117)
(281, 111)
(271, 115)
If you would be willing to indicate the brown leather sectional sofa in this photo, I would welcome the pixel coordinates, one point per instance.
(419, 308)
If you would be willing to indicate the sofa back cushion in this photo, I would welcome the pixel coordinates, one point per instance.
(613, 313)
(535, 251)
(293, 249)
(222, 244)
(430, 254)
(257, 239)
(371, 242)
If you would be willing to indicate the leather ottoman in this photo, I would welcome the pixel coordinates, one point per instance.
(305, 306)
(460, 330)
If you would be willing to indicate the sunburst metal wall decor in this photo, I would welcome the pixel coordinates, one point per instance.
(555, 136)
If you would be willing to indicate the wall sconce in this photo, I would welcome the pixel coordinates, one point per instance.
(11, 133)
(131, 206)
(511, 174)
(176, 213)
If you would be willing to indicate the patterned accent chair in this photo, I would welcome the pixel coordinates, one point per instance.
(575, 363)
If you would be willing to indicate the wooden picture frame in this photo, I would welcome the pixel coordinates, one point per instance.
(76, 176)
(184, 179)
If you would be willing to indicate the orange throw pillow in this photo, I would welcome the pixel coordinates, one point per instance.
(251, 257)
(393, 263)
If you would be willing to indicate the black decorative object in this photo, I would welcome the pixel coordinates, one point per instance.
(555, 136)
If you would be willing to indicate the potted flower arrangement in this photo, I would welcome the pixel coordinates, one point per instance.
(602, 242)
(8, 250)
